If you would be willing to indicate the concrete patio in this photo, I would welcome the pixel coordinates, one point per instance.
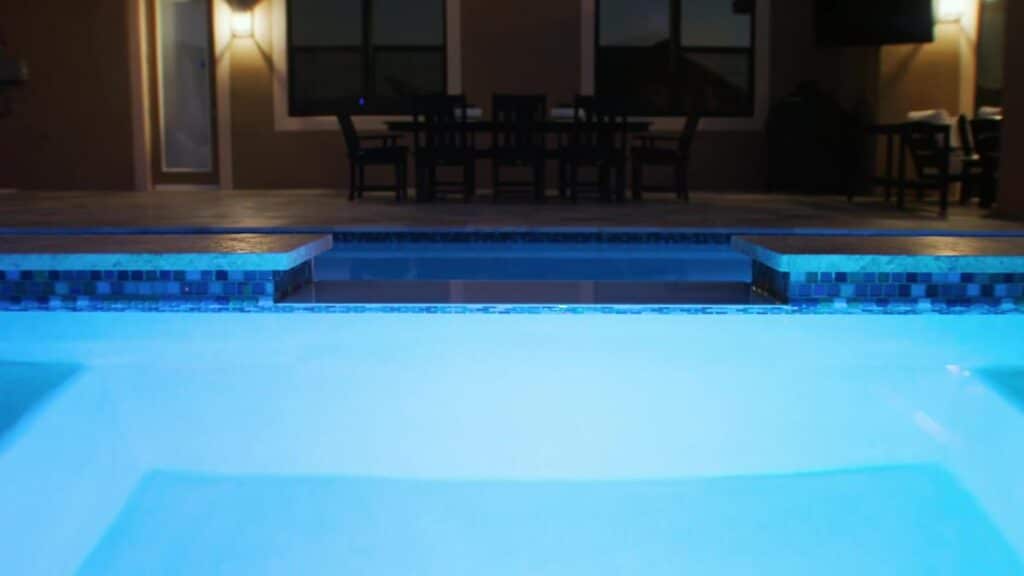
(25, 211)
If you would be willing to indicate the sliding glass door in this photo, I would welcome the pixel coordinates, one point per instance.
(184, 135)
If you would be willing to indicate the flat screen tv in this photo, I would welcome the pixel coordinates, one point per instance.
(874, 22)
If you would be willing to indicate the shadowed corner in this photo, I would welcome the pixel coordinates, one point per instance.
(24, 387)
(1008, 381)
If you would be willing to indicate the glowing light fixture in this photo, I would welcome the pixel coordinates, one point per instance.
(949, 10)
(241, 23)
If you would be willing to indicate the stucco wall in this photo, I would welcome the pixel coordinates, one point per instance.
(71, 126)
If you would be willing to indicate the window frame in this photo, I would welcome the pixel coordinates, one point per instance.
(756, 70)
(367, 50)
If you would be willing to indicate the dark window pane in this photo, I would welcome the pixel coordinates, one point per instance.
(714, 23)
(642, 77)
(321, 78)
(408, 22)
(634, 22)
(400, 74)
(724, 80)
(325, 22)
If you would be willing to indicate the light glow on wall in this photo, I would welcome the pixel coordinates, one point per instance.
(241, 23)
(949, 10)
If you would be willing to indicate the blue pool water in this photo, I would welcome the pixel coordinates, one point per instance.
(522, 444)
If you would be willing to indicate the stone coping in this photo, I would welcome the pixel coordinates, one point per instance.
(942, 254)
(255, 252)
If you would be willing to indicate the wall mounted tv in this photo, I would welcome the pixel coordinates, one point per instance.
(874, 22)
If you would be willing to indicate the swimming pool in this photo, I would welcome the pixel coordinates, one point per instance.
(478, 443)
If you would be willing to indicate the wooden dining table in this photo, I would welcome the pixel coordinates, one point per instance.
(557, 126)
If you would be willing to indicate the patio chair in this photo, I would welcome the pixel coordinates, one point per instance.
(443, 139)
(388, 153)
(987, 139)
(518, 141)
(678, 158)
(598, 140)
(937, 163)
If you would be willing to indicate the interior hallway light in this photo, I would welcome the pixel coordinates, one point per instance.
(241, 23)
(949, 10)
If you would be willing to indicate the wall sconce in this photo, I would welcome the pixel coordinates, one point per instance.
(949, 10)
(241, 23)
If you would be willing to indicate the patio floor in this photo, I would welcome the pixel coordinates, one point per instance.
(321, 209)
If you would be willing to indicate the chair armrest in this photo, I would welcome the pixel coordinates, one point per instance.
(385, 138)
(649, 139)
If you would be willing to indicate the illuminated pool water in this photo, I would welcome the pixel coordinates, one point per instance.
(511, 444)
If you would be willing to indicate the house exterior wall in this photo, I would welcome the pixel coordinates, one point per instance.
(71, 125)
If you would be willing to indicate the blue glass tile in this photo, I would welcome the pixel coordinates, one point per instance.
(883, 277)
(178, 275)
(221, 275)
(841, 277)
(811, 278)
(862, 290)
(988, 290)
(138, 276)
(206, 275)
(925, 278)
(193, 275)
(819, 290)
(932, 291)
(904, 291)
(973, 290)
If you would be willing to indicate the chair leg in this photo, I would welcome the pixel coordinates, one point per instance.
(539, 179)
(638, 180)
(495, 173)
(682, 191)
(470, 184)
(352, 167)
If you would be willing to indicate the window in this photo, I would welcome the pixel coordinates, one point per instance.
(659, 56)
(367, 56)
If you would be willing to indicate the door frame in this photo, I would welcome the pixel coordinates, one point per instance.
(145, 124)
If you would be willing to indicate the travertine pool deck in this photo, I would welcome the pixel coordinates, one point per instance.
(921, 272)
(161, 252)
(873, 254)
(326, 210)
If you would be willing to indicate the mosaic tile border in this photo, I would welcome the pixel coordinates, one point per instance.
(68, 288)
(883, 289)
(243, 307)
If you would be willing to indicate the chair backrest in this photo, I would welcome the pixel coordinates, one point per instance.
(966, 138)
(689, 132)
(348, 129)
(929, 147)
(987, 135)
(441, 122)
(516, 119)
(600, 123)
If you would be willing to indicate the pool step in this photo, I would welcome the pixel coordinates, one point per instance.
(526, 292)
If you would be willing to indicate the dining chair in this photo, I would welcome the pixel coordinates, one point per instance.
(387, 153)
(987, 134)
(517, 141)
(443, 139)
(598, 140)
(649, 153)
(937, 167)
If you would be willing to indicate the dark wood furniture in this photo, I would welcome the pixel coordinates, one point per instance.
(518, 141)
(443, 139)
(598, 140)
(987, 141)
(649, 153)
(929, 146)
(387, 153)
